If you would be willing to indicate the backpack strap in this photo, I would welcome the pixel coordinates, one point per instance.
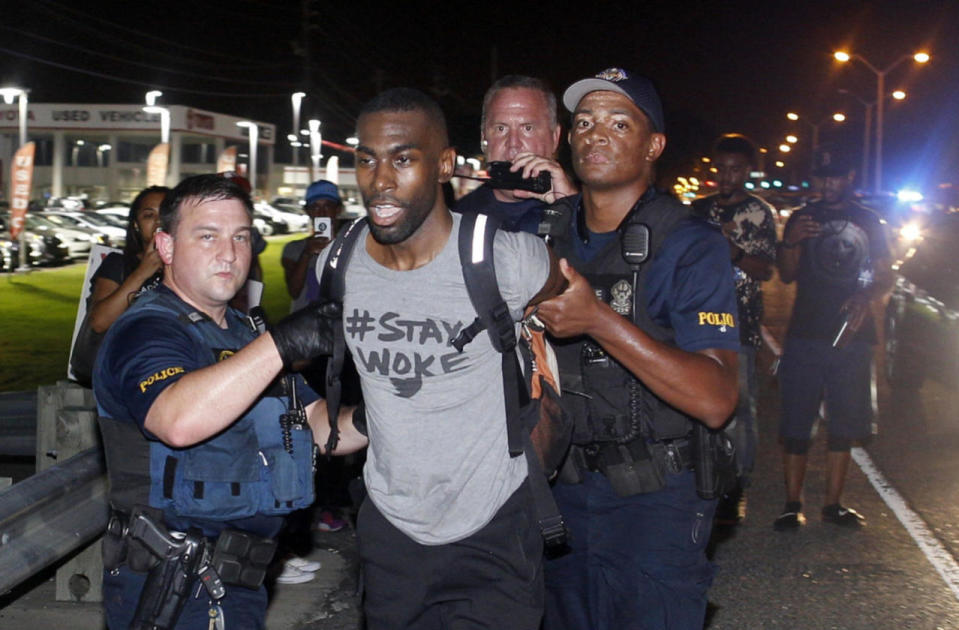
(332, 289)
(476, 255)
(475, 240)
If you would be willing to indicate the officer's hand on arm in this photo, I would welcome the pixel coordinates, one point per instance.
(532, 165)
(204, 402)
(702, 384)
(307, 333)
(350, 439)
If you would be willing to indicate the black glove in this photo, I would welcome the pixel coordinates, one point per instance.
(307, 333)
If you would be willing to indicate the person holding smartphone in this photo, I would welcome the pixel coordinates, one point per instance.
(323, 204)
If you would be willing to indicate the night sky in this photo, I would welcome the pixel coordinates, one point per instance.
(720, 67)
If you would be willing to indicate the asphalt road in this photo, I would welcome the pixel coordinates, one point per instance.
(819, 577)
(826, 577)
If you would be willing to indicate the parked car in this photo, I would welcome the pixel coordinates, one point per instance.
(288, 204)
(78, 241)
(121, 213)
(295, 222)
(100, 205)
(117, 235)
(263, 225)
(69, 203)
(922, 316)
(41, 249)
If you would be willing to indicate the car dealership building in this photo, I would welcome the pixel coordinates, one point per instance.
(101, 151)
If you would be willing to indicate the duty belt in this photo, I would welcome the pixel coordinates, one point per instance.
(238, 558)
(677, 454)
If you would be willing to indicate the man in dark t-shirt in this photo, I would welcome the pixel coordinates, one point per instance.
(749, 226)
(519, 125)
(836, 252)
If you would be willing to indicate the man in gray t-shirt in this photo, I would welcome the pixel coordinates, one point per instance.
(448, 532)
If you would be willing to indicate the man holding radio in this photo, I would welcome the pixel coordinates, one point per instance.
(323, 204)
(649, 342)
(519, 127)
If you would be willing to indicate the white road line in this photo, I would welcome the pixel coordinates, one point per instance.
(940, 558)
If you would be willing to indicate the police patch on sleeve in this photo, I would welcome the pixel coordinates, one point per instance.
(161, 375)
(722, 321)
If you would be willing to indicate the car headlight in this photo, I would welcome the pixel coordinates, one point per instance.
(911, 232)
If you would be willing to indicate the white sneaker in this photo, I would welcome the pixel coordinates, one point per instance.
(308, 566)
(292, 575)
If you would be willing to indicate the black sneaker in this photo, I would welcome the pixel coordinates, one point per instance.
(843, 516)
(791, 519)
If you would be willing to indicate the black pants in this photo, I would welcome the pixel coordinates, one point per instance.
(492, 579)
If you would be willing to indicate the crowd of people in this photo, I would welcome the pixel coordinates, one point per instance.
(652, 308)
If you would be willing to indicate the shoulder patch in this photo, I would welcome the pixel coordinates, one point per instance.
(720, 320)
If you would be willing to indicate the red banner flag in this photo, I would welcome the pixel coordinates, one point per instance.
(21, 174)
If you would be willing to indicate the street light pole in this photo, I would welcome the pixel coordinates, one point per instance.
(164, 120)
(254, 133)
(837, 117)
(316, 148)
(8, 95)
(843, 57)
(297, 99)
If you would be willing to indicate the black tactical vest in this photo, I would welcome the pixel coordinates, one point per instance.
(607, 402)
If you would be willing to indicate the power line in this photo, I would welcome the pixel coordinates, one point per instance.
(61, 9)
(146, 65)
(170, 88)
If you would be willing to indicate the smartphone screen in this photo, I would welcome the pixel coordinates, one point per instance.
(323, 226)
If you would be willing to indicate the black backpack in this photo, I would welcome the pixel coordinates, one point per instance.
(537, 426)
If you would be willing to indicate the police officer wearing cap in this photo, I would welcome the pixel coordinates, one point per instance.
(208, 444)
(835, 250)
(647, 351)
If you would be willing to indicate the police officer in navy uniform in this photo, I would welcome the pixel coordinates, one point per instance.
(207, 445)
(648, 351)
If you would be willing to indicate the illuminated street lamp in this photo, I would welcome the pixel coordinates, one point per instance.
(296, 99)
(10, 93)
(780, 163)
(151, 97)
(843, 57)
(254, 133)
(791, 139)
(838, 117)
(785, 148)
(899, 95)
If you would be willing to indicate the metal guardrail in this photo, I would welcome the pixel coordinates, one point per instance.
(51, 514)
